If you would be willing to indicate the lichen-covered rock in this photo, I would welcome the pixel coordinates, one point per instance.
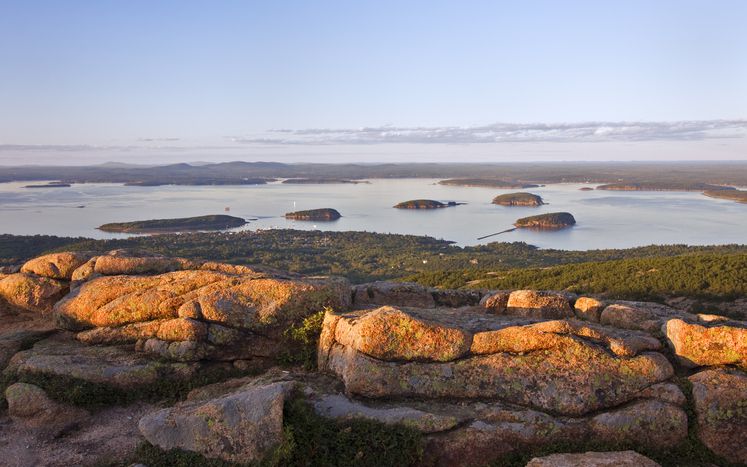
(644, 316)
(127, 334)
(30, 405)
(539, 304)
(26, 400)
(110, 365)
(389, 333)
(594, 459)
(553, 334)
(563, 367)
(182, 329)
(122, 262)
(338, 406)
(496, 301)
(181, 351)
(711, 343)
(31, 292)
(244, 426)
(588, 308)
(113, 301)
(720, 397)
(257, 303)
(496, 432)
(13, 341)
(393, 293)
(666, 392)
(649, 423)
(57, 265)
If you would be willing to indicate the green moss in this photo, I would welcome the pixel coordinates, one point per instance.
(316, 441)
(300, 341)
(312, 441)
(94, 396)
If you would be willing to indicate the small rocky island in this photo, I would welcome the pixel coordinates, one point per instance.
(487, 183)
(550, 221)
(184, 224)
(324, 214)
(425, 204)
(518, 199)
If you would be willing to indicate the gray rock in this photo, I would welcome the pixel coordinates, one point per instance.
(242, 426)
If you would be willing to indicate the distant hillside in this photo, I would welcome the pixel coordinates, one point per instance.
(699, 275)
(507, 175)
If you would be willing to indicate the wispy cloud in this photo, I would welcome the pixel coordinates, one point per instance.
(508, 132)
(158, 140)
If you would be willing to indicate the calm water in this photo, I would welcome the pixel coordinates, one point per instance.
(605, 219)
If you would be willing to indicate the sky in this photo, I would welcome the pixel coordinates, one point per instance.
(363, 81)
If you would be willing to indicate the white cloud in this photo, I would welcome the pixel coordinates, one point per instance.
(509, 132)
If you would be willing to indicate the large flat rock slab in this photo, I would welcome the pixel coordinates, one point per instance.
(115, 366)
(561, 366)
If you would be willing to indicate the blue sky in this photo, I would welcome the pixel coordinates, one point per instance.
(103, 80)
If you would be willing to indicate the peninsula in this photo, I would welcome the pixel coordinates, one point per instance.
(184, 224)
(740, 196)
(663, 186)
(320, 181)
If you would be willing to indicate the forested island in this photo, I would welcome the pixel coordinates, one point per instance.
(518, 199)
(184, 224)
(424, 204)
(324, 214)
(550, 221)
(50, 185)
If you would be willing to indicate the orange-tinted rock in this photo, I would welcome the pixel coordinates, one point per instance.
(539, 304)
(558, 333)
(496, 302)
(390, 334)
(182, 329)
(588, 308)
(117, 263)
(31, 292)
(567, 368)
(708, 343)
(56, 265)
